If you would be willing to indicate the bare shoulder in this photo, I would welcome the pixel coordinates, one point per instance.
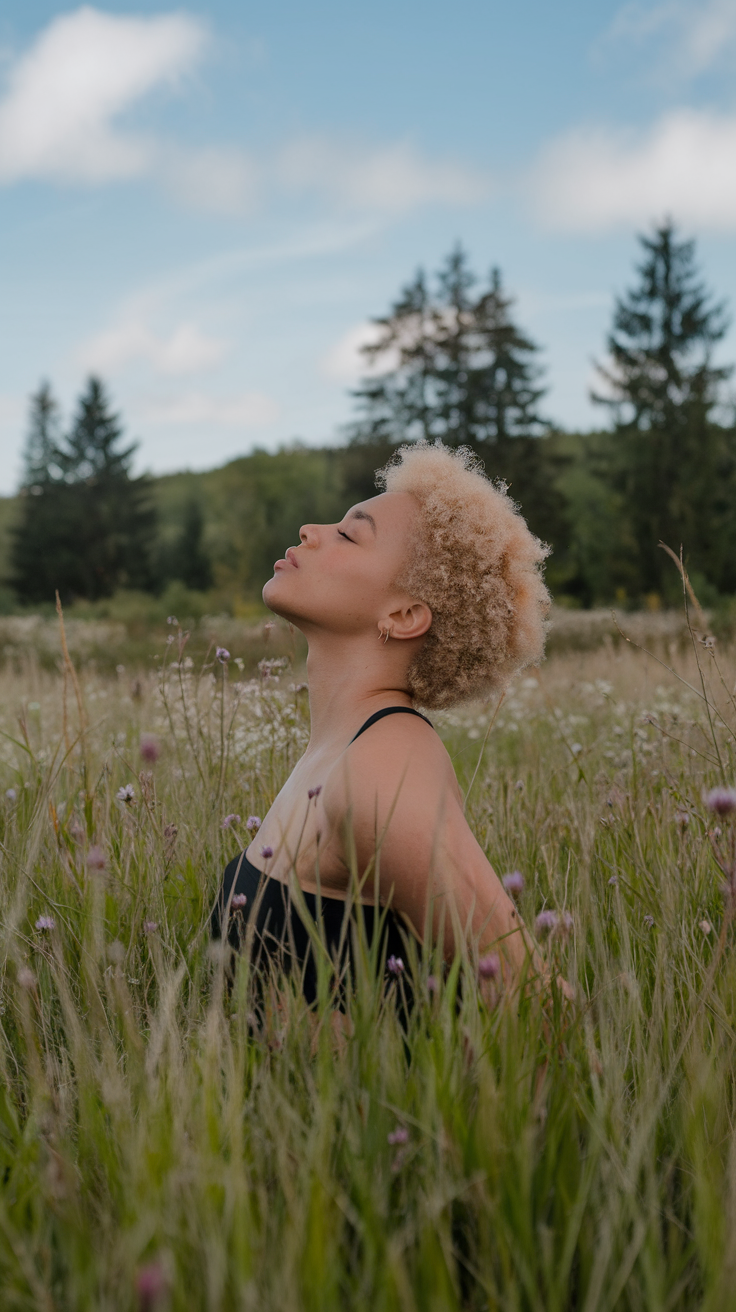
(399, 758)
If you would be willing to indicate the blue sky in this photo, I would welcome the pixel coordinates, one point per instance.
(206, 205)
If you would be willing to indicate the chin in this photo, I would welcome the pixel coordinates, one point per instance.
(275, 596)
(270, 594)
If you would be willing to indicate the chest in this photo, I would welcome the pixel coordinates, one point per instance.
(300, 833)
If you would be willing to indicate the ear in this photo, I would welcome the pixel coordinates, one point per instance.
(411, 621)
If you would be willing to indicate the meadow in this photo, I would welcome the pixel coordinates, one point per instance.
(166, 1143)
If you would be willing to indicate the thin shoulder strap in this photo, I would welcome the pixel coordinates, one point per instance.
(390, 710)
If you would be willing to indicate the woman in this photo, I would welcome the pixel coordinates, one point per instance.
(429, 593)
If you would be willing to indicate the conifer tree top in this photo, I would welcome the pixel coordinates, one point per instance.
(664, 332)
(451, 364)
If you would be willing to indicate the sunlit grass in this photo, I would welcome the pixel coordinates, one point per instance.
(166, 1140)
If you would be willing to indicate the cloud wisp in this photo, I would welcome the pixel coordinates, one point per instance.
(684, 167)
(390, 179)
(186, 350)
(57, 118)
(692, 37)
(244, 410)
(60, 122)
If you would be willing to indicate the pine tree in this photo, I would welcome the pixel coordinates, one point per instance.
(34, 538)
(672, 460)
(455, 366)
(398, 404)
(87, 525)
(41, 455)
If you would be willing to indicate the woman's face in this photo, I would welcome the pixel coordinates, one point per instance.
(342, 577)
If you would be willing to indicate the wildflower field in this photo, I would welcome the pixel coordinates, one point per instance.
(164, 1144)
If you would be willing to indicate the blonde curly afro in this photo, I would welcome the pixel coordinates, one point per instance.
(477, 566)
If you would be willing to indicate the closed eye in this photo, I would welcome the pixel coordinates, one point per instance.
(345, 536)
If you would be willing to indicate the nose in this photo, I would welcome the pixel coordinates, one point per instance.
(308, 535)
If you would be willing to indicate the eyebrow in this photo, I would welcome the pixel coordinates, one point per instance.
(363, 514)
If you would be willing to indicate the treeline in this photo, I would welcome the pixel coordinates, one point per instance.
(449, 362)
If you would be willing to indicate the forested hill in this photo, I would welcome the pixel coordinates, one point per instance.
(252, 507)
(247, 512)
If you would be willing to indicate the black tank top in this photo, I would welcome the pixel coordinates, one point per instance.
(276, 927)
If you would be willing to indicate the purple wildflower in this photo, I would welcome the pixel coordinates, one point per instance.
(253, 824)
(395, 966)
(238, 901)
(613, 881)
(514, 883)
(545, 923)
(398, 1136)
(489, 967)
(150, 1286)
(721, 800)
(126, 794)
(314, 792)
(433, 984)
(266, 852)
(150, 748)
(150, 926)
(171, 619)
(565, 924)
(223, 655)
(46, 922)
(229, 820)
(649, 921)
(76, 830)
(96, 859)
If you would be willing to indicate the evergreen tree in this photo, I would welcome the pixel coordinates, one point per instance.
(398, 404)
(672, 464)
(34, 539)
(89, 527)
(453, 366)
(190, 561)
(41, 455)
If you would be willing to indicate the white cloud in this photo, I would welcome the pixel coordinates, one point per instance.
(683, 167)
(186, 351)
(246, 410)
(57, 116)
(344, 362)
(693, 36)
(59, 120)
(218, 180)
(390, 179)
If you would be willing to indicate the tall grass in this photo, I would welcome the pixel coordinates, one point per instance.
(166, 1143)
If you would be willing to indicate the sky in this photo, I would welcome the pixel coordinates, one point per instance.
(205, 206)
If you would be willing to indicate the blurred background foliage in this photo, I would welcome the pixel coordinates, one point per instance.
(450, 362)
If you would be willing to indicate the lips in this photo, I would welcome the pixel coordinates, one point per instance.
(290, 555)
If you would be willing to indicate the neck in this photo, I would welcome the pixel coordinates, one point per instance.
(350, 677)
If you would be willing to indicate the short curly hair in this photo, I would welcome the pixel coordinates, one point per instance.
(479, 569)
